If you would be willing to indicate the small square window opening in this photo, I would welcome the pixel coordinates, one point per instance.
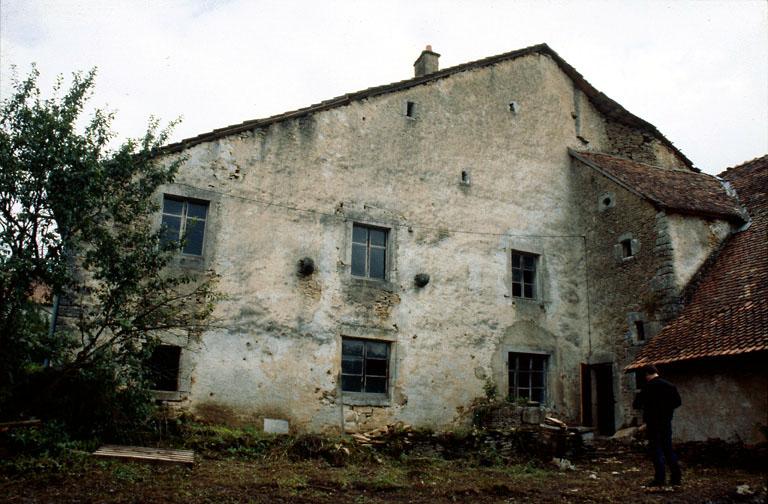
(364, 366)
(369, 251)
(410, 109)
(626, 247)
(528, 377)
(523, 275)
(640, 330)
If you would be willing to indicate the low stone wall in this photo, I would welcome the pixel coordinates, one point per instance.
(503, 416)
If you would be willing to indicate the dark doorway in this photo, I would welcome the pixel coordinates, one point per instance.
(164, 367)
(597, 400)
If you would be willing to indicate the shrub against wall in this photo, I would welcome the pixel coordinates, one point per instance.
(75, 217)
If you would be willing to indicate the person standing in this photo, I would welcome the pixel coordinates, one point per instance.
(658, 399)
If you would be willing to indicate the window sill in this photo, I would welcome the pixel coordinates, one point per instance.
(168, 395)
(189, 261)
(530, 301)
(362, 399)
(371, 283)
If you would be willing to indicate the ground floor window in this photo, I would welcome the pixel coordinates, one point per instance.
(164, 367)
(528, 377)
(364, 365)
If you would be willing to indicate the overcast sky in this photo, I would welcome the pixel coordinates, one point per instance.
(697, 70)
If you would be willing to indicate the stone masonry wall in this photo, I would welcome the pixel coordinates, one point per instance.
(643, 289)
(621, 289)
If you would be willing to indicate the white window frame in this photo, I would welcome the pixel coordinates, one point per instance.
(185, 201)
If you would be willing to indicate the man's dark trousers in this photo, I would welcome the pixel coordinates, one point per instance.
(660, 445)
(658, 399)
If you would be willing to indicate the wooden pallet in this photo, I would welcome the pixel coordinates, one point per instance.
(141, 453)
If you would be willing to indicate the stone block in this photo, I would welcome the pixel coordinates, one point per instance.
(275, 426)
(532, 415)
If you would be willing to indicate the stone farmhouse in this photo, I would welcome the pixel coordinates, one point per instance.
(388, 253)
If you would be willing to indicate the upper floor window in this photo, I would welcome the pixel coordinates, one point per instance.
(523, 275)
(184, 219)
(369, 251)
(364, 365)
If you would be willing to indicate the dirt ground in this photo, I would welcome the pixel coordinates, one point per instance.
(609, 474)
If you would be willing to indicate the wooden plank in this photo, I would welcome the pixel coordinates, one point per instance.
(148, 454)
(22, 423)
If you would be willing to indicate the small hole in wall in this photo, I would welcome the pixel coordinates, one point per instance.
(464, 177)
(626, 246)
(410, 109)
(512, 107)
(640, 330)
(606, 201)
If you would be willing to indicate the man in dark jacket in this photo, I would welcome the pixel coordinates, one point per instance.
(658, 399)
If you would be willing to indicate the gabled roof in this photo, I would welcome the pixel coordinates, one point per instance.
(679, 191)
(604, 104)
(727, 310)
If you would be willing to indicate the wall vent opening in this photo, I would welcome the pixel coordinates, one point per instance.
(640, 330)
(626, 247)
(410, 109)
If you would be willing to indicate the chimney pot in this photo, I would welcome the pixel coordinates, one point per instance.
(427, 62)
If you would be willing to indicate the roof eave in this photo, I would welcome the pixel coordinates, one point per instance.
(575, 154)
(673, 360)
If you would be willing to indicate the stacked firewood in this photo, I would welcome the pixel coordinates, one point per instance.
(382, 434)
(555, 422)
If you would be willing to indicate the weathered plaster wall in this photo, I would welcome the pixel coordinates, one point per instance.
(694, 241)
(724, 398)
(294, 188)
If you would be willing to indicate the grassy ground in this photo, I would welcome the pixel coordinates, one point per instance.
(608, 474)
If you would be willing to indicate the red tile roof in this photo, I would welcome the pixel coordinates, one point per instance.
(727, 312)
(680, 191)
(604, 104)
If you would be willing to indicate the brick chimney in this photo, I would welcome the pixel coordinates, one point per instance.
(427, 62)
